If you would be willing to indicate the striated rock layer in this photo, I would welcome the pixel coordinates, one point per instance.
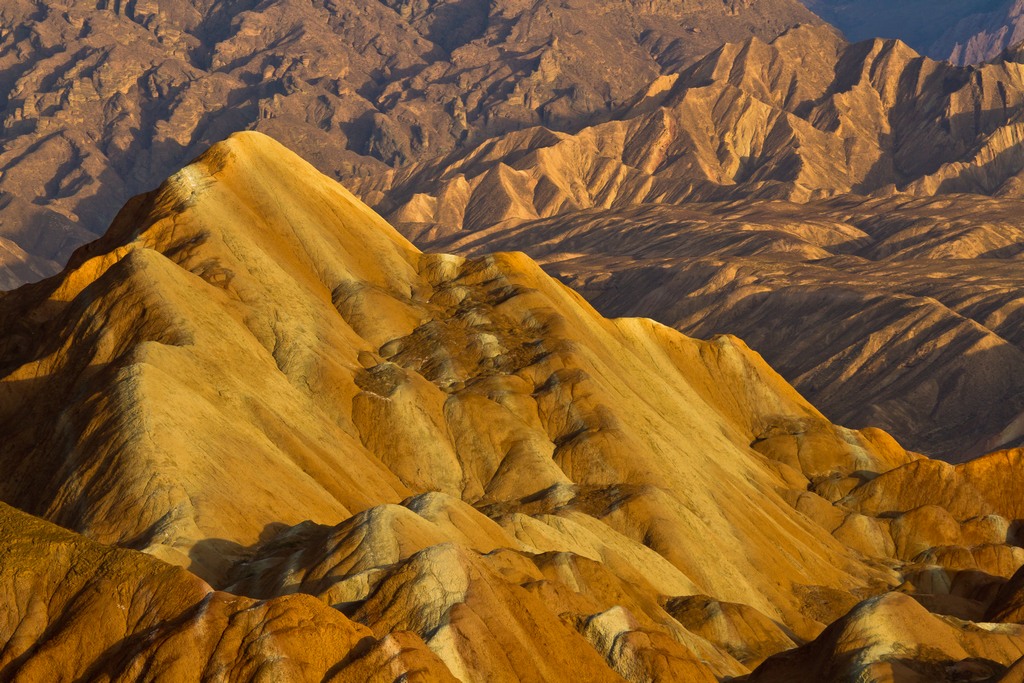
(804, 117)
(102, 100)
(392, 463)
(896, 312)
(731, 183)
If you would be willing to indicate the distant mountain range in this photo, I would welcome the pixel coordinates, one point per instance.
(962, 32)
(101, 100)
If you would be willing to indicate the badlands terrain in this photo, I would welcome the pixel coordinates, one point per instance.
(254, 433)
(893, 312)
(636, 340)
(804, 194)
(455, 118)
(102, 99)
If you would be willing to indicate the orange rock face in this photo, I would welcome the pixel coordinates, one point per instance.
(78, 609)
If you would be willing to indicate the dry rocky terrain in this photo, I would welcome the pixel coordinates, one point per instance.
(285, 444)
(895, 312)
(100, 100)
(805, 117)
(453, 118)
(251, 431)
(808, 195)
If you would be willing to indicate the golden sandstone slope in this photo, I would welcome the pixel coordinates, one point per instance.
(466, 470)
(897, 312)
(730, 183)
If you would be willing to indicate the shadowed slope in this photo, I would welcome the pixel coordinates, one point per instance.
(75, 609)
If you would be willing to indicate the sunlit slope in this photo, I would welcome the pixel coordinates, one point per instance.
(254, 376)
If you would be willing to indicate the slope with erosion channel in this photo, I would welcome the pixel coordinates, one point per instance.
(253, 376)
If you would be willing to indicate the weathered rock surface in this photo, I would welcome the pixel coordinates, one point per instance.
(493, 113)
(892, 638)
(492, 122)
(804, 117)
(632, 212)
(103, 100)
(78, 610)
(458, 462)
(896, 312)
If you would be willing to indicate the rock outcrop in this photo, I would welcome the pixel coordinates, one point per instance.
(892, 638)
(78, 610)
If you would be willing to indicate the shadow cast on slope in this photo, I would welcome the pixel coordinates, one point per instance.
(214, 559)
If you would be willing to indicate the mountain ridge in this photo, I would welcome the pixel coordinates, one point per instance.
(102, 101)
(255, 377)
(774, 141)
(369, 113)
(802, 118)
